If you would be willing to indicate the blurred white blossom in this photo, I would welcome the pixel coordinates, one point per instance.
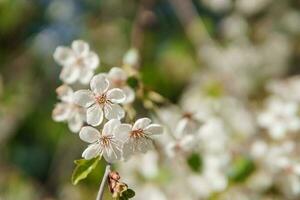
(67, 110)
(118, 79)
(279, 117)
(78, 62)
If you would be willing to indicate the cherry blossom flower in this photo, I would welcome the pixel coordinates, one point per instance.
(78, 62)
(185, 144)
(106, 143)
(131, 58)
(67, 110)
(280, 117)
(138, 138)
(100, 99)
(118, 79)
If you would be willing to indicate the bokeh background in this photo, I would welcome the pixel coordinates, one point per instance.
(174, 39)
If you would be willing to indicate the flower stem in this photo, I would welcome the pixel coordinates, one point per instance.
(103, 182)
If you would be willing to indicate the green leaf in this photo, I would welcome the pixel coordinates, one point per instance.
(133, 82)
(129, 193)
(241, 169)
(83, 169)
(123, 198)
(195, 162)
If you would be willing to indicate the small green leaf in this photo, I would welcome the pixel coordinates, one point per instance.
(129, 193)
(133, 82)
(83, 169)
(194, 161)
(123, 198)
(241, 169)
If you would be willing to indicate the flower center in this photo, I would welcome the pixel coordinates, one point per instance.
(105, 141)
(137, 133)
(187, 115)
(79, 62)
(101, 99)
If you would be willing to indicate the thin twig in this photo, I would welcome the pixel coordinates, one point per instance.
(103, 182)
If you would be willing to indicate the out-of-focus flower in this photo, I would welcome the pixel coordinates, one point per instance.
(138, 138)
(67, 110)
(150, 192)
(118, 79)
(106, 144)
(100, 99)
(131, 57)
(287, 89)
(291, 21)
(78, 62)
(213, 136)
(182, 145)
(251, 7)
(280, 117)
(209, 182)
(234, 27)
(218, 5)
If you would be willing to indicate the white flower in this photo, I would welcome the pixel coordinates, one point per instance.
(185, 144)
(118, 79)
(138, 138)
(131, 57)
(100, 99)
(279, 118)
(66, 110)
(78, 62)
(218, 5)
(104, 144)
(213, 136)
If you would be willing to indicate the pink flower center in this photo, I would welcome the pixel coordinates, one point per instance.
(79, 62)
(102, 99)
(137, 133)
(187, 115)
(105, 141)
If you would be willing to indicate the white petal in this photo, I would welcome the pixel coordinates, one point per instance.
(89, 134)
(109, 127)
(127, 149)
(94, 115)
(75, 122)
(83, 98)
(61, 112)
(144, 145)
(86, 75)
(117, 74)
(116, 95)
(141, 123)
(99, 84)
(69, 74)
(112, 155)
(129, 93)
(91, 151)
(65, 93)
(113, 111)
(181, 127)
(122, 132)
(154, 129)
(64, 56)
(92, 60)
(80, 47)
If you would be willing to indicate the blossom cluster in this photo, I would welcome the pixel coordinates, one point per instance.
(234, 133)
(100, 106)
